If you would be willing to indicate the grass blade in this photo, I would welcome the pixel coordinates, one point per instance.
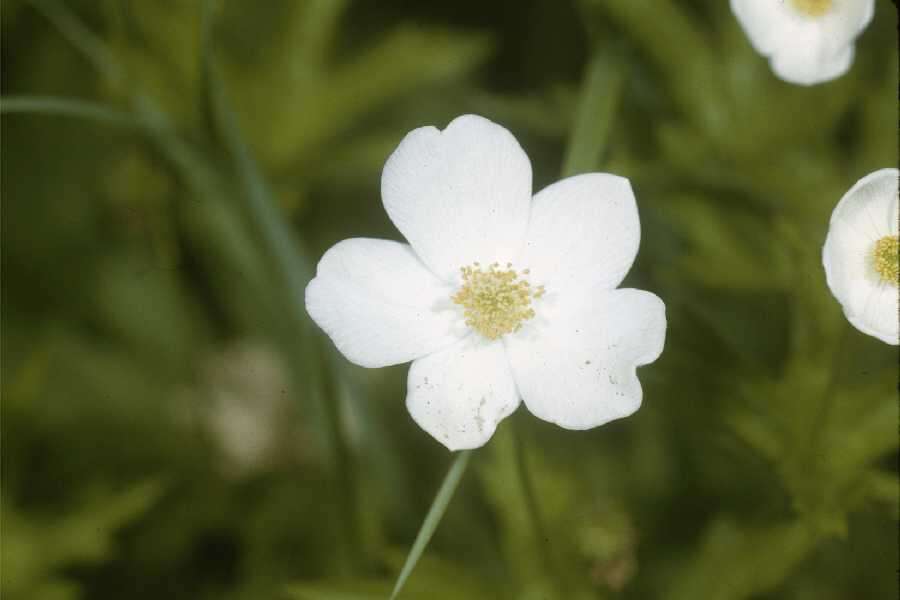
(66, 107)
(83, 39)
(596, 108)
(433, 518)
(293, 271)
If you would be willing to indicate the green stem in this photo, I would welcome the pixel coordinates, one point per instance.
(433, 518)
(597, 105)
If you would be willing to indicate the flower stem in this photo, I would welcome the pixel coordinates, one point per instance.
(600, 94)
(433, 518)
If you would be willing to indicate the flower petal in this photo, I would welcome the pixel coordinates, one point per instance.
(584, 232)
(866, 213)
(459, 195)
(379, 304)
(849, 272)
(459, 394)
(764, 22)
(870, 207)
(806, 63)
(879, 315)
(577, 369)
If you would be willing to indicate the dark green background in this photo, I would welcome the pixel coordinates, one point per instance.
(174, 427)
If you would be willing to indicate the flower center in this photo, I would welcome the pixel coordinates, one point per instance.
(812, 8)
(887, 258)
(495, 301)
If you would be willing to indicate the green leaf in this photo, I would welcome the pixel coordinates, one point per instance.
(854, 443)
(725, 248)
(400, 63)
(884, 488)
(738, 561)
(35, 547)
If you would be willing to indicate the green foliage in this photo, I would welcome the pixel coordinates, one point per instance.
(174, 426)
(36, 548)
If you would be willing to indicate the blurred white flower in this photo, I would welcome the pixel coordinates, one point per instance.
(861, 257)
(248, 406)
(497, 295)
(807, 41)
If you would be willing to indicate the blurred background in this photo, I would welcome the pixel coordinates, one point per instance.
(175, 427)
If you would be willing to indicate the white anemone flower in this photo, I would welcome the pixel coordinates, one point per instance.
(861, 255)
(806, 41)
(497, 295)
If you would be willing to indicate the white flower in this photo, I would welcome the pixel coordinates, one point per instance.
(497, 295)
(807, 41)
(861, 257)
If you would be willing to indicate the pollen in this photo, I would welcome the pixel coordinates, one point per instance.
(496, 300)
(812, 8)
(886, 257)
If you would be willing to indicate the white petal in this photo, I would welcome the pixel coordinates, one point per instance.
(459, 394)
(866, 213)
(379, 304)
(869, 208)
(577, 369)
(584, 231)
(849, 271)
(807, 64)
(459, 195)
(879, 315)
(764, 21)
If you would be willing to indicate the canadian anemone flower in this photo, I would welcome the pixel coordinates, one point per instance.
(497, 295)
(806, 41)
(861, 255)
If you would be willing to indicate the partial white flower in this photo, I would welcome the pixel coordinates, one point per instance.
(498, 295)
(806, 41)
(861, 256)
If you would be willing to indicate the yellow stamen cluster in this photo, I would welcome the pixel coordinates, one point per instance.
(495, 301)
(812, 8)
(886, 256)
